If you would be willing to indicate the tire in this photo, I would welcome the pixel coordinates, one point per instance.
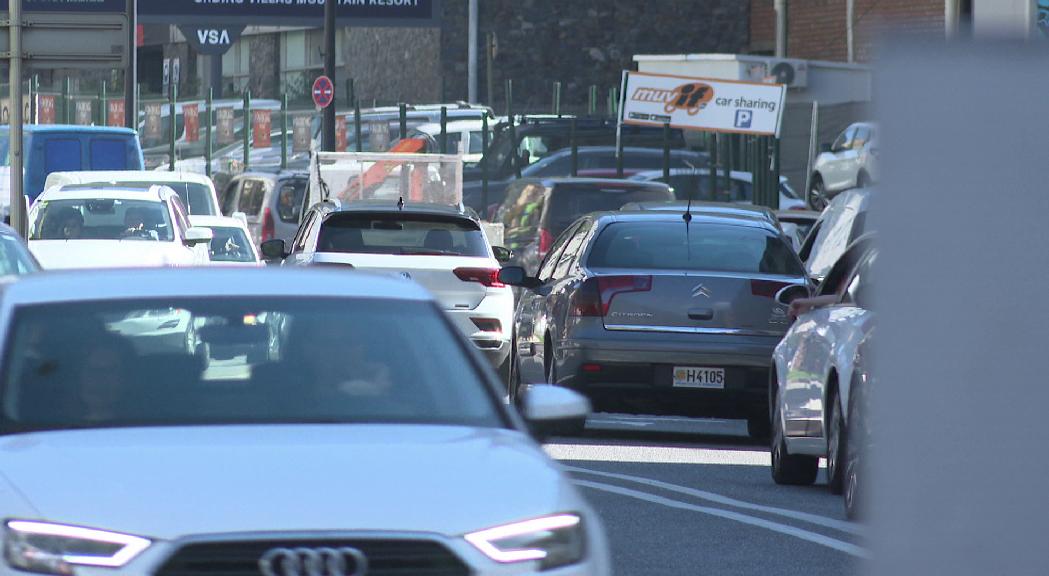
(863, 180)
(852, 488)
(836, 441)
(549, 364)
(758, 426)
(790, 469)
(513, 380)
(818, 194)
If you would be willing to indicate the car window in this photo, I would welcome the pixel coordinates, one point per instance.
(571, 251)
(218, 360)
(402, 233)
(231, 244)
(844, 140)
(251, 196)
(861, 138)
(289, 200)
(304, 231)
(14, 260)
(835, 233)
(101, 219)
(229, 197)
(525, 209)
(549, 264)
(706, 247)
(570, 201)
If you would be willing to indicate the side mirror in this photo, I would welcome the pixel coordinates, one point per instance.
(198, 235)
(792, 293)
(551, 410)
(273, 249)
(825, 147)
(503, 254)
(517, 276)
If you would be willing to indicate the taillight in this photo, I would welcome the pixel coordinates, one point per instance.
(269, 227)
(487, 276)
(594, 296)
(546, 241)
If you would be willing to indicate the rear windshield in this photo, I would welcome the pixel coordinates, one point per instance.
(570, 201)
(289, 200)
(408, 234)
(221, 360)
(231, 244)
(705, 247)
(101, 219)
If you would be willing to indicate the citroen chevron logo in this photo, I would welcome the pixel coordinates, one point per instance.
(701, 290)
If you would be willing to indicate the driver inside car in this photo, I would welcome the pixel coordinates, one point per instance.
(135, 224)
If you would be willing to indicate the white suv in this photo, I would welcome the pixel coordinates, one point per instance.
(439, 247)
(850, 162)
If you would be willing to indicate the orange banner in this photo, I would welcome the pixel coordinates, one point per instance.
(46, 113)
(191, 116)
(341, 139)
(262, 126)
(114, 113)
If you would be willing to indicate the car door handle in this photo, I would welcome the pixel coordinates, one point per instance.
(701, 314)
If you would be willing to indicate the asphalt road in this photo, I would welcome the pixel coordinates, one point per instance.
(694, 497)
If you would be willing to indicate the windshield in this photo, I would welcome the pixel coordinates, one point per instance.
(14, 260)
(706, 247)
(217, 360)
(101, 219)
(570, 201)
(231, 244)
(414, 234)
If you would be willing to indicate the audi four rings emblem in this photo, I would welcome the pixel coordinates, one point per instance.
(343, 561)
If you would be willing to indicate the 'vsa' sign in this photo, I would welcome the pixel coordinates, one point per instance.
(212, 41)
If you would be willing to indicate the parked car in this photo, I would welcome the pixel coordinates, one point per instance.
(62, 148)
(803, 219)
(440, 247)
(228, 161)
(272, 202)
(196, 190)
(231, 244)
(358, 373)
(534, 137)
(814, 371)
(15, 258)
(648, 313)
(695, 183)
(850, 162)
(841, 224)
(85, 226)
(536, 211)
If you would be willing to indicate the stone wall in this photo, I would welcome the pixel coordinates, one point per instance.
(392, 65)
(579, 43)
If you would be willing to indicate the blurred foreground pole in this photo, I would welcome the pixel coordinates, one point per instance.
(444, 130)
(131, 72)
(172, 131)
(247, 129)
(284, 132)
(666, 153)
(328, 124)
(357, 123)
(471, 53)
(209, 119)
(17, 207)
(713, 170)
(575, 149)
(484, 166)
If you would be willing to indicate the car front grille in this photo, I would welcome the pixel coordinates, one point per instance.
(386, 557)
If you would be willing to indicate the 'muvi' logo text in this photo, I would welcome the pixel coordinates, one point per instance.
(691, 97)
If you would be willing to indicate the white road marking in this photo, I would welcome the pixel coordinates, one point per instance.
(716, 498)
(657, 454)
(815, 538)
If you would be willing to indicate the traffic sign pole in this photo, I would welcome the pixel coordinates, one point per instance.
(329, 73)
(16, 210)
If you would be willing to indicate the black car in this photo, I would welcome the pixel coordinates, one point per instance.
(538, 210)
(535, 137)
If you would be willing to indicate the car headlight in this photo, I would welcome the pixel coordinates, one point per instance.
(553, 540)
(55, 548)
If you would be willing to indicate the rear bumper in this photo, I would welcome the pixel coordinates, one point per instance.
(634, 374)
(494, 345)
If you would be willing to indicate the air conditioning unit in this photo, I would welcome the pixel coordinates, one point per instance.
(793, 73)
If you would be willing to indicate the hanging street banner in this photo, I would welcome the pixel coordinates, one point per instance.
(261, 122)
(341, 137)
(46, 113)
(301, 126)
(115, 112)
(84, 115)
(224, 125)
(152, 132)
(191, 120)
(704, 104)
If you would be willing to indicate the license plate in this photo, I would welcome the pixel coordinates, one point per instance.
(696, 377)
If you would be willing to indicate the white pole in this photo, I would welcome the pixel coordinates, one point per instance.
(471, 54)
(17, 207)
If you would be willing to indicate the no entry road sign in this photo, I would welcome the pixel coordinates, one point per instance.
(323, 91)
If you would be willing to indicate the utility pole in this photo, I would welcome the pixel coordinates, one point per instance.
(781, 28)
(471, 54)
(131, 72)
(328, 137)
(17, 207)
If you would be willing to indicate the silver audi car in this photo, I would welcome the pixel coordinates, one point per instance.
(659, 313)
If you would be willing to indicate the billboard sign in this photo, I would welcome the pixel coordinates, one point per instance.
(703, 104)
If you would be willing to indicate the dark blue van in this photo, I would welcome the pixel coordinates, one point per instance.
(62, 148)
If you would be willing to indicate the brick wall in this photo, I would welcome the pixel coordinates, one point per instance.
(816, 28)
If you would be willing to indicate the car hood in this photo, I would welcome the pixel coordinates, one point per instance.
(170, 482)
(58, 254)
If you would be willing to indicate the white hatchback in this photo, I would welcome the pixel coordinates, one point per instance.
(357, 434)
(231, 245)
(90, 226)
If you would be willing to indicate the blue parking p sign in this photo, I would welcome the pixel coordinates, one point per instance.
(743, 118)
